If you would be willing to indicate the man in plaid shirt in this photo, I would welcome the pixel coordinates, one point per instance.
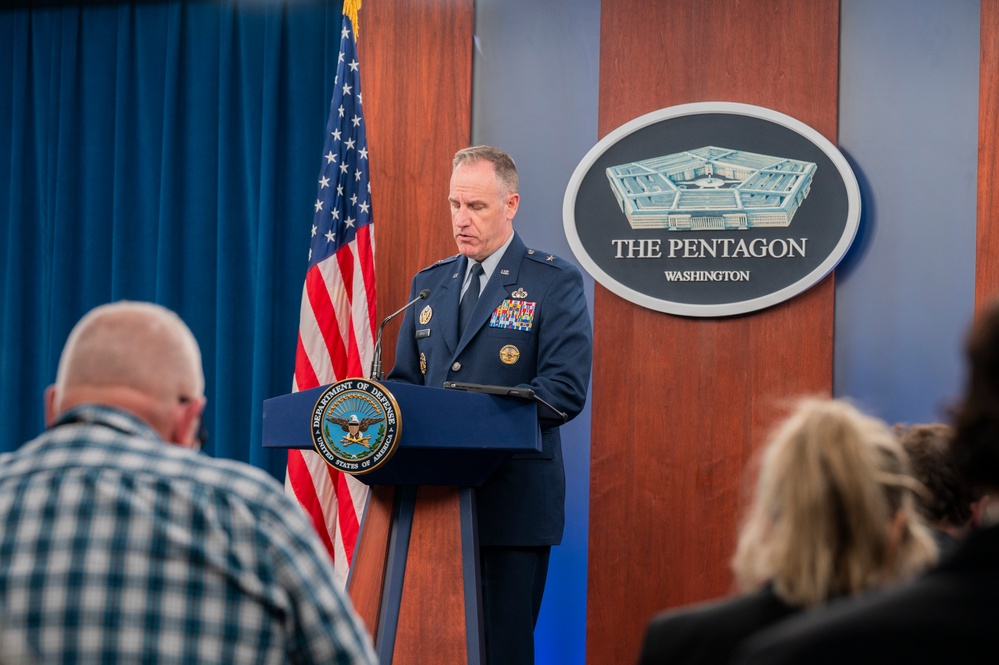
(116, 546)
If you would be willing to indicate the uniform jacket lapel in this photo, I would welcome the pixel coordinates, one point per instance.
(446, 305)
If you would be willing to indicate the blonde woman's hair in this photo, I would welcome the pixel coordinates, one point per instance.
(833, 513)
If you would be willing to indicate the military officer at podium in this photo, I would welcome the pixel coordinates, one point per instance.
(504, 314)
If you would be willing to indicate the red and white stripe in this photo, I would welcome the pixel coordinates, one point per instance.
(335, 341)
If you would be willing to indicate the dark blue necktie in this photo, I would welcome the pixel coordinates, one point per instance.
(468, 300)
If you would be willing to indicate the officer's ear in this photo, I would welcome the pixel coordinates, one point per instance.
(511, 205)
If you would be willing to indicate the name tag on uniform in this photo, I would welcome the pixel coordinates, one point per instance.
(514, 315)
(423, 332)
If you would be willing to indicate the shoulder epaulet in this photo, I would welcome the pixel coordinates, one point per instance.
(547, 258)
(441, 262)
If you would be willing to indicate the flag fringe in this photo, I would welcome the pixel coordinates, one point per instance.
(351, 8)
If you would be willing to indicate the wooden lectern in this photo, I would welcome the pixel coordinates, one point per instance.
(415, 573)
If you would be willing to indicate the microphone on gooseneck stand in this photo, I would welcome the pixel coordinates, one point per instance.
(376, 360)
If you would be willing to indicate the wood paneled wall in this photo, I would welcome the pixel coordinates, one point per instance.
(680, 404)
(416, 69)
(416, 76)
(986, 265)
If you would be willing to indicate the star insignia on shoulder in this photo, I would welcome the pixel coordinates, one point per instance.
(444, 260)
(551, 257)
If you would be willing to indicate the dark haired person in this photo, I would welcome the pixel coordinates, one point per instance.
(950, 505)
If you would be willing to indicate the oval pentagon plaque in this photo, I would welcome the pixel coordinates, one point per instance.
(711, 209)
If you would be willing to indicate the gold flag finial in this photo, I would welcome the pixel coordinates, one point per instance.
(350, 8)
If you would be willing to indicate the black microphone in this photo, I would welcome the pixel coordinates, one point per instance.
(376, 360)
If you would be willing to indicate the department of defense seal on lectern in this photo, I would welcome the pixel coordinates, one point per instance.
(356, 425)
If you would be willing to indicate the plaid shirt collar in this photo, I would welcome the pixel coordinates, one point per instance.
(116, 418)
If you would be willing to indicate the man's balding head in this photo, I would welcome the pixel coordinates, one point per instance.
(136, 356)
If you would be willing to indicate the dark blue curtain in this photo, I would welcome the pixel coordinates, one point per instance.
(169, 152)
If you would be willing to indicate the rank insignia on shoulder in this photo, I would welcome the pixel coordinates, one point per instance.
(514, 315)
(439, 262)
(425, 315)
(519, 293)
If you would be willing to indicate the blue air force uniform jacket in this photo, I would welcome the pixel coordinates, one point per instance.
(530, 328)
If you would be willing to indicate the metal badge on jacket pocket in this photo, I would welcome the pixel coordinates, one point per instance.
(509, 354)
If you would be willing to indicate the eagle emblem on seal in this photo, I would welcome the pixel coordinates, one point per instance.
(355, 427)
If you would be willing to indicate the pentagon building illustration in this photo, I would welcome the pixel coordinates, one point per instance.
(711, 188)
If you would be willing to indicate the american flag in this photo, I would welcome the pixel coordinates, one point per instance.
(337, 320)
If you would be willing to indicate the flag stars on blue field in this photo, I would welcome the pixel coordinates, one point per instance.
(344, 177)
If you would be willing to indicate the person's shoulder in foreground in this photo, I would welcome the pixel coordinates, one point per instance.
(121, 541)
(946, 616)
(707, 632)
